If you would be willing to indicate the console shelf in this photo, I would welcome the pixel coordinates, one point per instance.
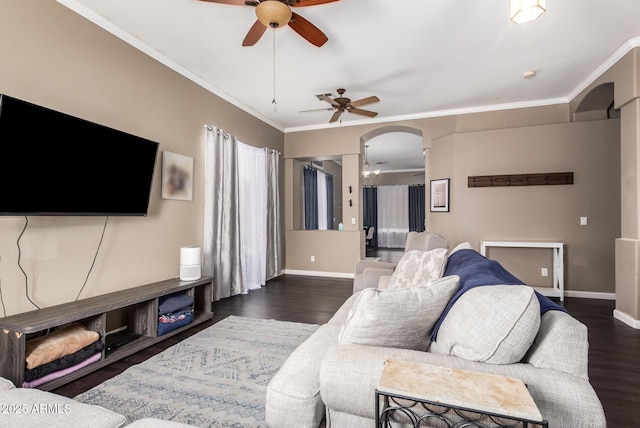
(141, 304)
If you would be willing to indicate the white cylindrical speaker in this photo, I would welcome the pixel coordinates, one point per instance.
(190, 263)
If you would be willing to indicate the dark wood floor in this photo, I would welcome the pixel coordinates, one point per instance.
(614, 351)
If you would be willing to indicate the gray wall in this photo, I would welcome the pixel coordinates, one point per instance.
(53, 57)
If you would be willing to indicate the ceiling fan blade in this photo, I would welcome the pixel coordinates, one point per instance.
(365, 101)
(307, 30)
(234, 2)
(255, 32)
(363, 112)
(335, 116)
(301, 3)
(329, 100)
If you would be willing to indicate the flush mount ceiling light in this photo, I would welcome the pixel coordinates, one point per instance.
(273, 14)
(523, 11)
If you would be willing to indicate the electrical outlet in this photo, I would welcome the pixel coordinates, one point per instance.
(313, 258)
(544, 272)
(353, 220)
(583, 221)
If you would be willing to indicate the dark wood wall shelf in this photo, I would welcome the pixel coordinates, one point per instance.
(140, 302)
(543, 179)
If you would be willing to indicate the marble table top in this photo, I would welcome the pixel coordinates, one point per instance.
(483, 392)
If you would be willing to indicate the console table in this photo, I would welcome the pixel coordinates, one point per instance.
(140, 303)
(558, 260)
(420, 393)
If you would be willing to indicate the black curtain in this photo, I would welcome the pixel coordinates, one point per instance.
(310, 198)
(416, 208)
(370, 211)
(329, 180)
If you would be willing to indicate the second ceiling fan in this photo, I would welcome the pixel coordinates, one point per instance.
(342, 104)
(277, 13)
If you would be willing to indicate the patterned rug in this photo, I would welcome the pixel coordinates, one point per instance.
(216, 378)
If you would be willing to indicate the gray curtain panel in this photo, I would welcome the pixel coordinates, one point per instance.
(310, 198)
(274, 242)
(370, 211)
(221, 252)
(416, 207)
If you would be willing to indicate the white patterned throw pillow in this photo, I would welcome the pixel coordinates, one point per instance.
(400, 318)
(494, 324)
(417, 268)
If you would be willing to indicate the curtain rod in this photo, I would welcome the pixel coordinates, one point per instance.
(210, 128)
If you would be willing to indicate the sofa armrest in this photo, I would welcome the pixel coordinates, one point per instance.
(350, 374)
(383, 282)
(361, 265)
(561, 344)
(369, 278)
(5, 384)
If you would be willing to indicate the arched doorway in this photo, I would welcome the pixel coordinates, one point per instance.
(393, 179)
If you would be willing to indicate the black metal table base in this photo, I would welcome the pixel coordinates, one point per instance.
(399, 411)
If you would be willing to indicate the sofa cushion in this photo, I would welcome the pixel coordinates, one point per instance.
(398, 318)
(494, 324)
(293, 394)
(416, 268)
(341, 315)
(5, 384)
(562, 344)
(39, 409)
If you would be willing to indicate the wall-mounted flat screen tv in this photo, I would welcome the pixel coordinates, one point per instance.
(56, 164)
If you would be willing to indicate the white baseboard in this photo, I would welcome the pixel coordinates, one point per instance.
(590, 295)
(318, 273)
(567, 293)
(627, 319)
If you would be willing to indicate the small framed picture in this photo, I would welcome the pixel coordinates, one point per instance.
(177, 176)
(440, 195)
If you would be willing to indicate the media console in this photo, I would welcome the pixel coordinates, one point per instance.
(140, 304)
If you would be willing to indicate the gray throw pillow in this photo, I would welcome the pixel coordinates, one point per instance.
(417, 267)
(398, 318)
(494, 324)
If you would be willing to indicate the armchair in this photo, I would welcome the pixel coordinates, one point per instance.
(369, 272)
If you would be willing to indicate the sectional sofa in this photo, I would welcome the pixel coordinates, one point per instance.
(456, 310)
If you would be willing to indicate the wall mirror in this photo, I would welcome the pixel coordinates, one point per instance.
(318, 193)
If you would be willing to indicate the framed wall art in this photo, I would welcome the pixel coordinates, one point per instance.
(177, 176)
(440, 195)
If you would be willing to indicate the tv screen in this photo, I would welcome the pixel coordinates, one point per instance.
(57, 164)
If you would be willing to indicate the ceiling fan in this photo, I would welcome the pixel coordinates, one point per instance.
(342, 104)
(277, 13)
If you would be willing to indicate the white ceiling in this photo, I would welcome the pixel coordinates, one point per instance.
(422, 58)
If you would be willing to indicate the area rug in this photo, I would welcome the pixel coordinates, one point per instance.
(216, 378)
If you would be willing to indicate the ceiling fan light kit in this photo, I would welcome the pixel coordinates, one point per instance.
(523, 11)
(278, 14)
(273, 13)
